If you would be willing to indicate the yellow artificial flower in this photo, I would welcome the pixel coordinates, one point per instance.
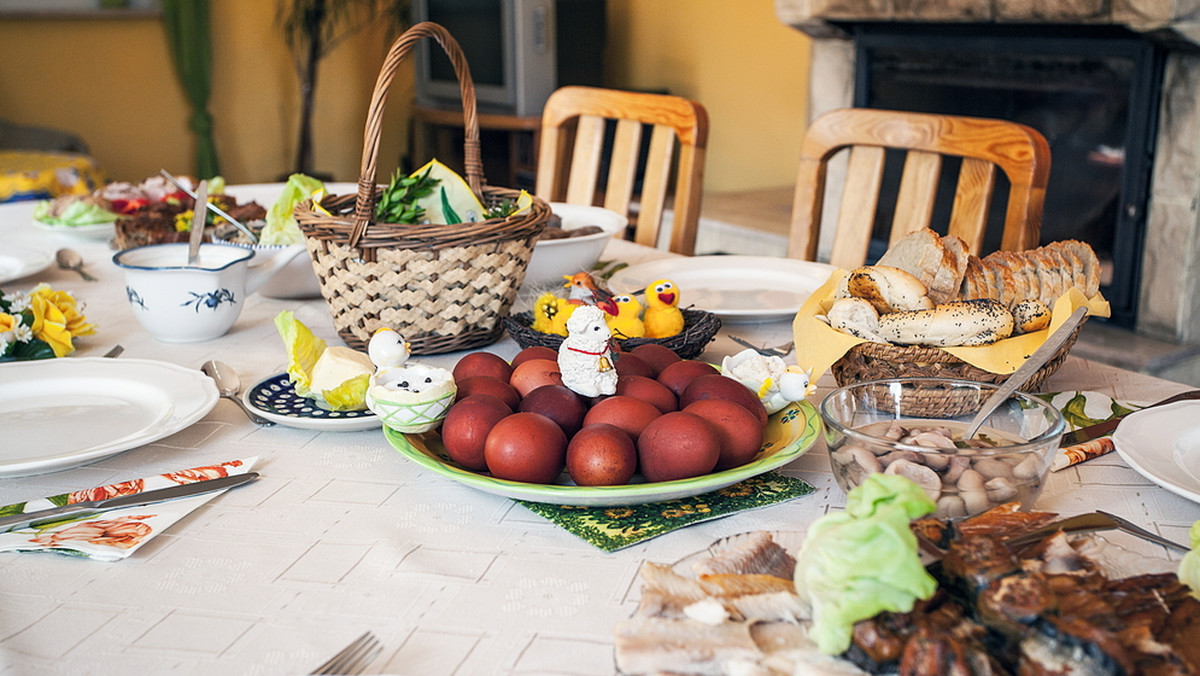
(8, 322)
(76, 324)
(50, 325)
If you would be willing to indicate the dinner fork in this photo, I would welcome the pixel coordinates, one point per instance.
(354, 658)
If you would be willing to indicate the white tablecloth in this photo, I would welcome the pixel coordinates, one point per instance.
(342, 534)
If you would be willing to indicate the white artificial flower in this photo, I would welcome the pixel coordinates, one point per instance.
(17, 302)
(23, 333)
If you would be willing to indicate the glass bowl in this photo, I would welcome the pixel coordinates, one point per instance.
(913, 427)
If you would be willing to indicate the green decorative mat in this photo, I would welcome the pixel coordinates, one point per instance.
(612, 528)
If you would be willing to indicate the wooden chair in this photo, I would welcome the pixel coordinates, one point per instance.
(984, 144)
(571, 173)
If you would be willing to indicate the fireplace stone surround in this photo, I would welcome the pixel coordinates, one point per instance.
(1169, 293)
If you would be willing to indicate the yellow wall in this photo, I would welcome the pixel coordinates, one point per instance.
(112, 82)
(736, 58)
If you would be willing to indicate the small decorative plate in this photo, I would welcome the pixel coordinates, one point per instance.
(276, 400)
(89, 231)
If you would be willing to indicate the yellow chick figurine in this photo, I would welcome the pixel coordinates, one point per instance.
(628, 322)
(550, 314)
(663, 317)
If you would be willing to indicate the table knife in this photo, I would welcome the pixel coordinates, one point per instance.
(90, 507)
(1103, 428)
(199, 219)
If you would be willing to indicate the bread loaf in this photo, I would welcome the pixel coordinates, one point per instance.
(888, 289)
(1030, 315)
(980, 321)
(856, 317)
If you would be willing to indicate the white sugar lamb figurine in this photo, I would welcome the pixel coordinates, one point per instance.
(775, 383)
(585, 357)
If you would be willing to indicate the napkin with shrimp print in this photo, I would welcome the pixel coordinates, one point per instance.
(117, 533)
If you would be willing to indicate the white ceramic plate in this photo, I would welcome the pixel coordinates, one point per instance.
(92, 231)
(1147, 441)
(22, 260)
(63, 413)
(789, 434)
(735, 288)
(276, 400)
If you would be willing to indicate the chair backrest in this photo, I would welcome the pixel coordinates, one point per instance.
(570, 173)
(984, 144)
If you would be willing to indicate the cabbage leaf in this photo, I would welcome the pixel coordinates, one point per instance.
(281, 227)
(862, 561)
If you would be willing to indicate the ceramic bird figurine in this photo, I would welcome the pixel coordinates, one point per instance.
(775, 383)
(585, 357)
(628, 321)
(387, 349)
(663, 317)
(407, 396)
(585, 291)
(550, 314)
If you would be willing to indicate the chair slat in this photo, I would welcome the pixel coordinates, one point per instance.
(860, 200)
(622, 166)
(585, 161)
(972, 197)
(918, 193)
(655, 182)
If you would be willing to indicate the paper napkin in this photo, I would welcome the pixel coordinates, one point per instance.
(612, 528)
(1080, 409)
(115, 534)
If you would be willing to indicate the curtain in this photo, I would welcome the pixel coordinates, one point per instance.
(189, 38)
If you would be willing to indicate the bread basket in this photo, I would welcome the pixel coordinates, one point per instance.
(879, 361)
(443, 287)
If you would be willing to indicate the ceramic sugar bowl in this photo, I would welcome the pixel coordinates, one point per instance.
(180, 303)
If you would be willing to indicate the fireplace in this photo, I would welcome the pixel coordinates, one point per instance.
(1115, 93)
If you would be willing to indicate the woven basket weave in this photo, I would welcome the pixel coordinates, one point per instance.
(879, 361)
(443, 287)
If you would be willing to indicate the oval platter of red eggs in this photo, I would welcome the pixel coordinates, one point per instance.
(786, 434)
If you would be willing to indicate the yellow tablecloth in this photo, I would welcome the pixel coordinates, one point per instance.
(37, 175)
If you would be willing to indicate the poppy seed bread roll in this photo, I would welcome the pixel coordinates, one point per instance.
(888, 289)
(1030, 315)
(979, 321)
(855, 316)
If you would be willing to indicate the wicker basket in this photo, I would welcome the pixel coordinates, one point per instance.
(443, 287)
(877, 361)
(698, 329)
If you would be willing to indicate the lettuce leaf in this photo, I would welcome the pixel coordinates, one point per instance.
(303, 350)
(281, 227)
(1189, 565)
(78, 212)
(350, 395)
(862, 561)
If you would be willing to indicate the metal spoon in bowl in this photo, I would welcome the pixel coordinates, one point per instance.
(69, 259)
(1018, 378)
(228, 385)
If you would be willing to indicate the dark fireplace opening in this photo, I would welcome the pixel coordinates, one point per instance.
(1092, 91)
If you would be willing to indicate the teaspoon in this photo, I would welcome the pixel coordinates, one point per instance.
(69, 259)
(228, 385)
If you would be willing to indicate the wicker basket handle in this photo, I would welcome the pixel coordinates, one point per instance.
(364, 205)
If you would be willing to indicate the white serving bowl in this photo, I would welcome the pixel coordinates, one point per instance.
(554, 258)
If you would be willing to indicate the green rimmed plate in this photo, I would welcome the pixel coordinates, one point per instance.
(789, 434)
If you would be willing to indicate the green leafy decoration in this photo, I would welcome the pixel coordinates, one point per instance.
(398, 203)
